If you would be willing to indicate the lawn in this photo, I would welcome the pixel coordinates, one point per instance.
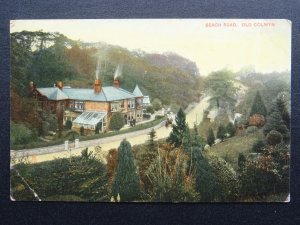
(230, 149)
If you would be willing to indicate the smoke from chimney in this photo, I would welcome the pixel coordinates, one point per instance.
(118, 72)
(98, 69)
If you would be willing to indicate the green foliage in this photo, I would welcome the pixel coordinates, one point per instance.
(258, 146)
(20, 134)
(170, 180)
(210, 137)
(116, 121)
(156, 103)
(150, 109)
(221, 134)
(49, 122)
(258, 106)
(230, 129)
(178, 130)
(221, 88)
(275, 122)
(98, 127)
(126, 182)
(259, 177)
(274, 137)
(81, 131)
(226, 177)
(241, 161)
(84, 178)
(251, 129)
(206, 180)
(69, 124)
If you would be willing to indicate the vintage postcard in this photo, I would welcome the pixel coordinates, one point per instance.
(150, 110)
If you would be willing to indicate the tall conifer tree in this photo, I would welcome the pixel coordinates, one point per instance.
(126, 182)
(179, 129)
(258, 106)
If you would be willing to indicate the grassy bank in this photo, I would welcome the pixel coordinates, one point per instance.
(230, 149)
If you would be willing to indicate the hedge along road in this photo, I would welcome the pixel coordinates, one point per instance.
(137, 137)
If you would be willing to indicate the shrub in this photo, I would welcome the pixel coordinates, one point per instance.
(274, 137)
(258, 146)
(146, 116)
(226, 177)
(20, 134)
(210, 137)
(45, 128)
(241, 161)
(97, 128)
(116, 121)
(156, 103)
(69, 124)
(251, 129)
(259, 178)
(150, 109)
(81, 130)
(170, 179)
(256, 120)
(86, 179)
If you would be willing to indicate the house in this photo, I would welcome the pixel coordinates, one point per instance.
(90, 107)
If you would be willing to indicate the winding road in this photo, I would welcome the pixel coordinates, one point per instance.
(138, 137)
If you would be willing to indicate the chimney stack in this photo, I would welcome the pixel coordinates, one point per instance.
(97, 86)
(116, 83)
(60, 85)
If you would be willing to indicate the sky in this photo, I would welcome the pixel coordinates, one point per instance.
(213, 44)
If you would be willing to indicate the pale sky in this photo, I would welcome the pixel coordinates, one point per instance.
(212, 44)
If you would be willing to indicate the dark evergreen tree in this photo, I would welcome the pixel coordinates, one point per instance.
(97, 128)
(197, 140)
(81, 130)
(258, 106)
(210, 137)
(69, 124)
(206, 182)
(221, 132)
(179, 128)
(275, 122)
(282, 108)
(230, 129)
(126, 182)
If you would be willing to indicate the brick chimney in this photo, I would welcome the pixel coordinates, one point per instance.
(97, 86)
(60, 85)
(116, 83)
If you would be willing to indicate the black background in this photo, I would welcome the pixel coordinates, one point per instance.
(29, 213)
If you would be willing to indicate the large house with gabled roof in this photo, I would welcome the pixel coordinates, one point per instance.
(90, 107)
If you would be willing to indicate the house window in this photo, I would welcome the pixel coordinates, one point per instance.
(79, 105)
(131, 103)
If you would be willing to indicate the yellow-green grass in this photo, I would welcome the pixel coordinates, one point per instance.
(230, 149)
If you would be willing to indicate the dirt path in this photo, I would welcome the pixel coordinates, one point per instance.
(138, 137)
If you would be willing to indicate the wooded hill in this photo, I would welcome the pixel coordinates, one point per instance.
(46, 58)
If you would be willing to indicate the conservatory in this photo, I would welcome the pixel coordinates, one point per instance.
(90, 119)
